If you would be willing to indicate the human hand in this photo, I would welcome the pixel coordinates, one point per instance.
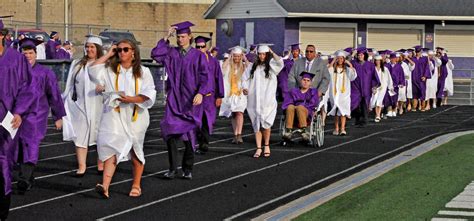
(197, 99)
(16, 122)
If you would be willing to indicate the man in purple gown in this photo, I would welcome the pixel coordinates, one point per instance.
(282, 78)
(213, 99)
(186, 85)
(35, 120)
(15, 97)
(398, 78)
(418, 78)
(443, 73)
(51, 45)
(361, 87)
(252, 55)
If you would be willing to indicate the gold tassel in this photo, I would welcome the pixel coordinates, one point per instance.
(135, 108)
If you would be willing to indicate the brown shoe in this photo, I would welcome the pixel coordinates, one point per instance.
(239, 139)
(234, 140)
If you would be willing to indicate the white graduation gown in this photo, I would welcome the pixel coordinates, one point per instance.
(81, 122)
(448, 84)
(386, 83)
(231, 103)
(432, 83)
(341, 101)
(117, 133)
(40, 52)
(407, 69)
(261, 99)
(323, 103)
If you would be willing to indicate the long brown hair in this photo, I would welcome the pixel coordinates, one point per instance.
(136, 62)
(100, 53)
(266, 63)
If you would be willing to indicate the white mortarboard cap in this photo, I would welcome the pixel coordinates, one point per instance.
(324, 57)
(424, 54)
(341, 54)
(94, 39)
(237, 50)
(406, 53)
(263, 48)
(378, 57)
(430, 52)
(397, 54)
(225, 55)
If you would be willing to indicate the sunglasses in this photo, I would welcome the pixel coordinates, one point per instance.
(309, 51)
(200, 46)
(126, 49)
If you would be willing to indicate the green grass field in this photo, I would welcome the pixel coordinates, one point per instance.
(416, 190)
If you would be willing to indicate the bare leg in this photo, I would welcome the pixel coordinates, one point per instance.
(100, 165)
(378, 111)
(234, 123)
(323, 116)
(239, 121)
(109, 170)
(81, 155)
(258, 140)
(336, 124)
(266, 138)
(343, 123)
(415, 104)
(138, 168)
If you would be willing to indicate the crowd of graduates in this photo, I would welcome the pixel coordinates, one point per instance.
(108, 94)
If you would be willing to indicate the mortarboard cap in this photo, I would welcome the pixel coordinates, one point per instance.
(295, 46)
(431, 52)
(361, 50)
(348, 50)
(53, 33)
(39, 37)
(183, 27)
(94, 39)
(393, 55)
(378, 57)
(201, 39)
(417, 48)
(410, 50)
(305, 74)
(264, 47)
(439, 48)
(225, 55)
(237, 50)
(29, 42)
(215, 48)
(252, 46)
(341, 53)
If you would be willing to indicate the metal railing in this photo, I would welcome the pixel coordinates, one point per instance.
(464, 78)
(61, 69)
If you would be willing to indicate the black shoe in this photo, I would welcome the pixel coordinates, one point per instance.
(187, 175)
(171, 174)
(200, 152)
(23, 186)
(79, 175)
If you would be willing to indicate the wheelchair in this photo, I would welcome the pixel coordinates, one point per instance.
(316, 130)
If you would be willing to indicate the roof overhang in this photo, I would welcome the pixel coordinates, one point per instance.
(380, 16)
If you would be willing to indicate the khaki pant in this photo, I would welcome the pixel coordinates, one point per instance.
(301, 113)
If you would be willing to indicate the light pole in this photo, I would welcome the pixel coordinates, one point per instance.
(39, 13)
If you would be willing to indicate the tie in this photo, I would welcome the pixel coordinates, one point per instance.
(307, 65)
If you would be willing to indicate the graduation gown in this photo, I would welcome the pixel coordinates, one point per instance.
(407, 69)
(309, 99)
(232, 102)
(216, 87)
(398, 78)
(261, 98)
(443, 75)
(340, 91)
(380, 99)
(361, 87)
(50, 49)
(16, 96)
(251, 57)
(35, 122)
(448, 85)
(81, 122)
(119, 131)
(432, 83)
(422, 69)
(187, 76)
(283, 78)
(62, 54)
(40, 52)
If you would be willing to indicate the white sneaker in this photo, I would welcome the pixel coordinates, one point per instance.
(394, 114)
(434, 105)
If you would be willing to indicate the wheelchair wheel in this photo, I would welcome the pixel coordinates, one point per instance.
(282, 125)
(319, 131)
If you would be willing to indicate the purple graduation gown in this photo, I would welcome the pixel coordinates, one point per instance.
(187, 76)
(361, 87)
(310, 99)
(50, 49)
(216, 90)
(62, 54)
(35, 121)
(282, 88)
(251, 57)
(443, 76)
(398, 78)
(422, 69)
(15, 96)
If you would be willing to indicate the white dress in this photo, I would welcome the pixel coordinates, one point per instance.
(386, 83)
(232, 103)
(118, 134)
(261, 98)
(340, 91)
(325, 99)
(407, 69)
(448, 84)
(81, 122)
(432, 83)
(40, 52)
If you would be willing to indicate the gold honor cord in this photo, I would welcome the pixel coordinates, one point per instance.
(207, 58)
(135, 108)
(343, 89)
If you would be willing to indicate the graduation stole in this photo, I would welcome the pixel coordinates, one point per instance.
(207, 58)
(343, 89)
(135, 108)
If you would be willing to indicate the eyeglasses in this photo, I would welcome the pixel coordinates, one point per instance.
(307, 51)
(126, 49)
(200, 46)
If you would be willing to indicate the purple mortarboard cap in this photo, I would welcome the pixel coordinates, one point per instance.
(252, 46)
(295, 46)
(370, 50)
(53, 33)
(402, 50)
(215, 48)
(348, 50)
(410, 50)
(305, 74)
(183, 27)
(361, 50)
(426, 49)
(393, 55)
(201, 39)
(29, 42)
(417, 48)
(440, 48)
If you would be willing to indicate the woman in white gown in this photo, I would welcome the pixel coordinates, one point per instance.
(386, 86)
(129, 93)
(342, 73)
(448, 85)
(432, 83)
(83, 104)
(234, 101)
(260, 84)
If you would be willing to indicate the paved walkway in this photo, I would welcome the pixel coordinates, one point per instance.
(460, 207)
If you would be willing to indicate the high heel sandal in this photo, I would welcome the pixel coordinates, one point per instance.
(266, 154)
(100, 189)
(257, 153)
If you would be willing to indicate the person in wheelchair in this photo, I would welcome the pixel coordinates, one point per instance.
(300, 103)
